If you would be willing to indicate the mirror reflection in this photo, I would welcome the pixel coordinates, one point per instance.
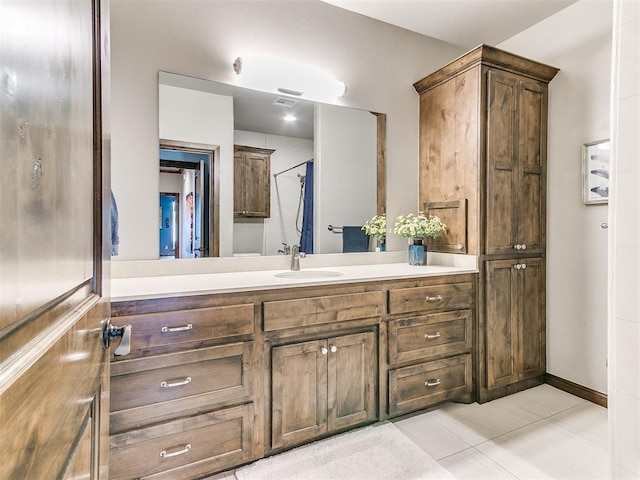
(290, 168)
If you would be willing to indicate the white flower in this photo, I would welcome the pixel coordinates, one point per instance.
(376, 226)
(419, 226)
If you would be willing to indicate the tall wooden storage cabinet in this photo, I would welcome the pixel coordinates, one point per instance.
(483, 142)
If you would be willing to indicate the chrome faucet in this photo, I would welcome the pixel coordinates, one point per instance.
(295, 257)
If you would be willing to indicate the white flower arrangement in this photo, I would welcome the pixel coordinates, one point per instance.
(376, 226)
(419, 226)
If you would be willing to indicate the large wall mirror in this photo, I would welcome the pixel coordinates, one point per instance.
(271, 158)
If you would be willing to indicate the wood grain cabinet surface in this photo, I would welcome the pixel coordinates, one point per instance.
(216, 381)
(252, 182)
(430, 342)
(483, 139)
(322, 386)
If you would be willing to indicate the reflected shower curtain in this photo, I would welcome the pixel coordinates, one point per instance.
(306, 238)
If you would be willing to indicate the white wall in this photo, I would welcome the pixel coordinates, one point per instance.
(345, 172)
(378, 62)
(189, 116)
(266, 236)
(624, 254)
(577, 40)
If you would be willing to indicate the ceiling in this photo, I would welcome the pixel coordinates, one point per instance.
(466, 23)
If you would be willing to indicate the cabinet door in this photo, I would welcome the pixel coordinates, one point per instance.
(502, 168)
(532, 325)
(299, 392)
(351, 380)
(252, 184)
(531, 165)
(501, 322)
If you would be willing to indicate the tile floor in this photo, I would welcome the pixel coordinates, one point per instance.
(540, 433)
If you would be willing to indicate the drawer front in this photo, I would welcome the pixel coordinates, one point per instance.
(318, 310)
(156, 388)
(171, 328)
(186, 448)
(419, 386)
(433, 335)
(452, 296)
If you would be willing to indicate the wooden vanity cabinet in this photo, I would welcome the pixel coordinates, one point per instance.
(322, 386)
(323, 353)
(483, 144)
(252, 182)
(182, 402)
(430, 342)
(213, 382)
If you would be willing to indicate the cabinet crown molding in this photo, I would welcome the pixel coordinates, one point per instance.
(492, 57)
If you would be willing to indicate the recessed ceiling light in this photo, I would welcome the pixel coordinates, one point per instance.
(289, 118)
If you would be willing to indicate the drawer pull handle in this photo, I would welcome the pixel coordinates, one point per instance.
(429, 298)
(432, 383)
(182, 328)
(182, 451)
(430, 336)
(180, 383)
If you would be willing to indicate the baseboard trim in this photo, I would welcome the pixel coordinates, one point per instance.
(577, 390)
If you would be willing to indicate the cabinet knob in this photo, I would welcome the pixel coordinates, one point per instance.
(517, 246)
(524, 265)
(324, 350)
(604, 225)
(459, 246)
(333, 349)
(523, 246)
(517, 266)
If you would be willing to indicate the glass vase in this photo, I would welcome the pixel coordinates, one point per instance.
(417, 252)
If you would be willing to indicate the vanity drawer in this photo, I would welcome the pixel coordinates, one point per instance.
(155, 388)
(182, 326)
(439, 334)
(419, 386)
(451, 296)
(186, 448)
(318, 310)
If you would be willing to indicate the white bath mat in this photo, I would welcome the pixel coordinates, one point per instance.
(376, 452)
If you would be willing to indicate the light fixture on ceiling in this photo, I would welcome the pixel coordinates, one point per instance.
(277, 75)
(289, 118)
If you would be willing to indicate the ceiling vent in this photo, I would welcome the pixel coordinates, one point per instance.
(285, 102)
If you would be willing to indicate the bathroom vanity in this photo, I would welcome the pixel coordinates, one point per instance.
(235, 367)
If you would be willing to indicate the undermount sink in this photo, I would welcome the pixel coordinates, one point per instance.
(308, 274)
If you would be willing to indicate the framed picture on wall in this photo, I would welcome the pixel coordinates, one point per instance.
(595, 172)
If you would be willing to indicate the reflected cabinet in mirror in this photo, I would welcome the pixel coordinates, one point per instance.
(250, 173)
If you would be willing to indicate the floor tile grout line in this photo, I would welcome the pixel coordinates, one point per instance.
(486, 457)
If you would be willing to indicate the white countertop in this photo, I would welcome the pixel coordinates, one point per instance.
(138, 288)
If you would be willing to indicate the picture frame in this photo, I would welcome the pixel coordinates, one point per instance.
(595, 172)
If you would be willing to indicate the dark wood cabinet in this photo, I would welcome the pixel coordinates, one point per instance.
(483, 141)
(322, 386)
(182, 402)
(515, 320)
(516, 145)
(252, 182)
(430, 344)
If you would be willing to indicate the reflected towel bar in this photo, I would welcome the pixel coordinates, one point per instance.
(333, 229)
